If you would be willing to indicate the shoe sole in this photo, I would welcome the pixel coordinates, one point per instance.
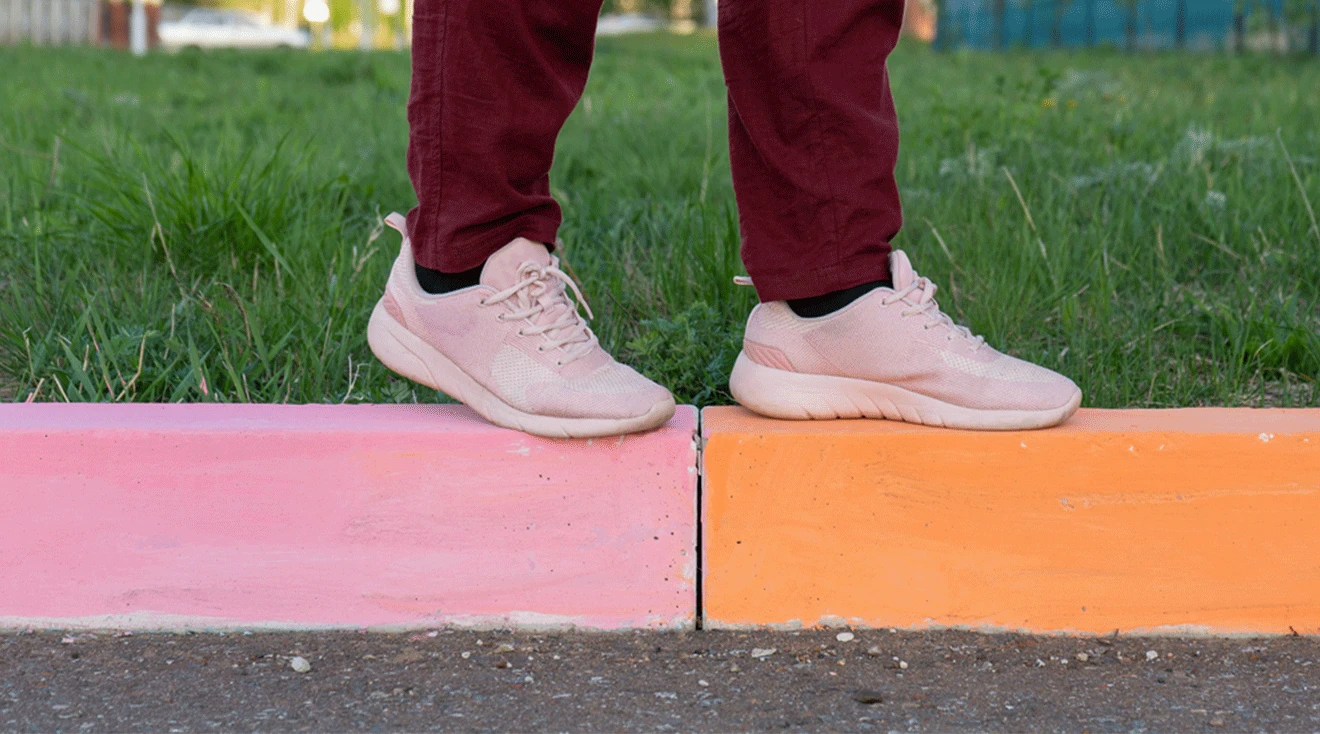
(777, 393)
(410, 356)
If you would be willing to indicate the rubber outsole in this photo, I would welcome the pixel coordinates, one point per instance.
(411, 357)
(776, 393)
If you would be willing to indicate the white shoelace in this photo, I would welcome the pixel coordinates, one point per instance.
(925, 305)
(539, 291)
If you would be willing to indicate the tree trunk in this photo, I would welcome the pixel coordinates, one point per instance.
(999, 23)
(1314, 40)
(942, 26)
(1131, 28)
(1180, 30)
(1240, 30)
(1273, 21)
(1027, 18)
(1090, 23)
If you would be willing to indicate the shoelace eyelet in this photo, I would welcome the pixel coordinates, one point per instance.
(540, 349)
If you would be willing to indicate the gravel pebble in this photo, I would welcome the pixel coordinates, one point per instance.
(868, 697)
(606, 682)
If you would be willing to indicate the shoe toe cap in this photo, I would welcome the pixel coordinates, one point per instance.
(1009, 383)
(614, 392)
(1048, 390)
(1061, 392)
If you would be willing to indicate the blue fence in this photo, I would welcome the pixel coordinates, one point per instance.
(1147, 24)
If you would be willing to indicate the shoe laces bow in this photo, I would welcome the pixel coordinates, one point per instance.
(920, 296)
(539, 297)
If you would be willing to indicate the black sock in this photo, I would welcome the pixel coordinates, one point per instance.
(831, 302)
(435, 281)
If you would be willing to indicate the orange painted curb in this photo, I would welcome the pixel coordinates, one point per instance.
(1196, 520)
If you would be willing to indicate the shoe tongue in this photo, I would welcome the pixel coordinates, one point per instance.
(900, 270)
(501, 269)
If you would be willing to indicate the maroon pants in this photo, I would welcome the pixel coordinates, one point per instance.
(813, 136)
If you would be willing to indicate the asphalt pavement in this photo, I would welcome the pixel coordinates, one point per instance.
(646, 681)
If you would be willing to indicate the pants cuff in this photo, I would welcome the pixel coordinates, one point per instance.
(783, 285)
(466, 252)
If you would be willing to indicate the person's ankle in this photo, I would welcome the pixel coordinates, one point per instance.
(827, 303)
(436, 282)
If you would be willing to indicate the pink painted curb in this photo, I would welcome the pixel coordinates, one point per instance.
(382, 516)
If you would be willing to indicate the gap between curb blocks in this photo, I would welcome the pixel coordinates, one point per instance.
(699, 442)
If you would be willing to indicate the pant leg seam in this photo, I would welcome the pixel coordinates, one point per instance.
(816, 131)
(445, 43)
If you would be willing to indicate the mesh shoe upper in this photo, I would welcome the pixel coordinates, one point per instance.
(900, 337)
(520, 336)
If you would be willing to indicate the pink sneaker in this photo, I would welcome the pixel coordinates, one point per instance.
(892, 354)
(513, 348)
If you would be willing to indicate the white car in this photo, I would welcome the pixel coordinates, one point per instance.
(207, 28)
(618, 24)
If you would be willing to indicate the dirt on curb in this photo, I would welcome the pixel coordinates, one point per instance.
(707, 681)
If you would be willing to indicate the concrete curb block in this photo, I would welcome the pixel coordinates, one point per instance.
(307, 517)
(170, 517)
(1155, 521)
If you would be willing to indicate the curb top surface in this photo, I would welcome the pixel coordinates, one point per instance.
(273, 417)
(1252, 421)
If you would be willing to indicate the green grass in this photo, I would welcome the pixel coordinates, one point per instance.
(207, 226)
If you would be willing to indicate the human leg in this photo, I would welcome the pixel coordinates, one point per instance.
(493, 82)
(813, 138)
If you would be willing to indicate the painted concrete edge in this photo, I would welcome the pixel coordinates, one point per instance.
(159, 622)
(365, 418)
(682, 430)
(147, 621)
(1180, 631)
(734, 427)
(1267, 422)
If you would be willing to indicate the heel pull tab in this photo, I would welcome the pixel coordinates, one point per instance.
(742, 280)
(398, 223)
